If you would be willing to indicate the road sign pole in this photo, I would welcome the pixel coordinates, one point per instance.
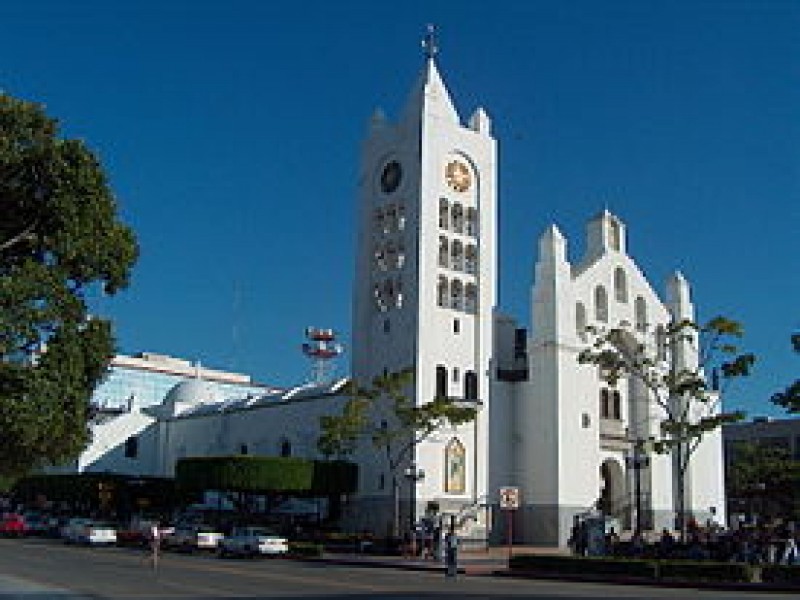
(510, 520)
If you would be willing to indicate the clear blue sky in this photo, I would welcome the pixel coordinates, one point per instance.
(231, 129)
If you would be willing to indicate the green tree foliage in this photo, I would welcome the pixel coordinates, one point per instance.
(59, 237)
(790, 397)
(765, 479)
(689, 399)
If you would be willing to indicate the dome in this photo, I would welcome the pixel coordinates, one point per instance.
(192, 392)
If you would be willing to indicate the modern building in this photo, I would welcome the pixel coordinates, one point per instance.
(425, 297)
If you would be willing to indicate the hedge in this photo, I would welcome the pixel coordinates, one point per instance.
(267, 474)
(639, 568)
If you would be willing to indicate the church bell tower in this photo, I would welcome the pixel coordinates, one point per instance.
(425, 281)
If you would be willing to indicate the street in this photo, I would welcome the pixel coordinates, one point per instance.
(33, 568)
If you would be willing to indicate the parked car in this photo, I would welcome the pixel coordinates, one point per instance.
(13, 524)
(253, 541)
(87, 531)
(192, 537)
(38, 523)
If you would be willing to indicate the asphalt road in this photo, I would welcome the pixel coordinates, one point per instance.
(44, 569)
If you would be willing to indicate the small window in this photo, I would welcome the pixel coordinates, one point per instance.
(441, 381)
(640, 308)
(470, 386)
(382, 481)
(620, 285)
(132, 447)
(243, 449)
(617, 405)
(586, 420)
(456, 326)
(387, 326)
(286, 448)
(600, 304)
(580, 320)
(605, 400)
(456, 374)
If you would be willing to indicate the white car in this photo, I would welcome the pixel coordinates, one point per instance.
(87, 531)
(253, 541)
(193, 537)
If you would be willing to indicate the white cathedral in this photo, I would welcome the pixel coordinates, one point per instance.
(425, 297)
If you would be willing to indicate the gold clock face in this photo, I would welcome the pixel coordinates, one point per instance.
(457, 176)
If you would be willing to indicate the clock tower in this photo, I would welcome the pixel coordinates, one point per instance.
(425, 289)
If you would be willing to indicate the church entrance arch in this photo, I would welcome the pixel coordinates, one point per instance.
(613, 495)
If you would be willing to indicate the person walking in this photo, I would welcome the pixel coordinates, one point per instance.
(155, 544)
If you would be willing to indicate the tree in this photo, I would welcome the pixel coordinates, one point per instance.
(59, 238)
(766, 477)
(790, 397)
(689, 402)
(393, 422)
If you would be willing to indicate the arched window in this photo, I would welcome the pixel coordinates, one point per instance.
(455, 480)
(471, 298)
(456, 295)
(457, 256)
(401, 255)
(616, 405)
(286, 448)
(398, 292)
(391, 219)
(661, 343)
(640, 308)
(620, 285)
(444, 252)
(458, 218)
(380, 258)
(470, 386)
(472, 222)
(580, 320)
(614, 235)
(388, 291)
(444, 214)
(600, 304)
(605, 408)
(471, 259)
(391, 256)
(441, 381)
(132, 447)
(442, 293)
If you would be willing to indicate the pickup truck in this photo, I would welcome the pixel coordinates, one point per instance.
(252, 541)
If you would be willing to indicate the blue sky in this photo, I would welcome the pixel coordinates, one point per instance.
(231, 132)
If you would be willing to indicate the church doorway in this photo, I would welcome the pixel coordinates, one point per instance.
(613, 495)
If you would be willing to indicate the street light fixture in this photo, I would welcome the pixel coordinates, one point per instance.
(637, 461)
(414, 474)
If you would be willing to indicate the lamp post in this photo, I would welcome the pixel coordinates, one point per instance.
(414, 475)
(637, 461)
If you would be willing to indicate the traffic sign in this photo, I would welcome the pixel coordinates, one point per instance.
(509, 498)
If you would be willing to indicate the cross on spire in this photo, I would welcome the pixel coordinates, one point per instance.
(429, 42)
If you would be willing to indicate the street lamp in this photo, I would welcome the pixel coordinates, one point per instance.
(637, 461)
(414, 475)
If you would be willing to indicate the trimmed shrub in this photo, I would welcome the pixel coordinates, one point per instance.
(305, 549)
(781, 574)
(705, 571)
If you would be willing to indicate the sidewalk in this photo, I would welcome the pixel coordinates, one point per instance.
(475, 561)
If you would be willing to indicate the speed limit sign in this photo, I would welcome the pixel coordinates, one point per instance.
(509, 498)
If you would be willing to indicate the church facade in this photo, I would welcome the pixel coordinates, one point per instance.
(425, 297)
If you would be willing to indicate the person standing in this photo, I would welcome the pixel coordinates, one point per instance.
(155, 544)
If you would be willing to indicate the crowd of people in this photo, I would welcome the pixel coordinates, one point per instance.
(765, 544)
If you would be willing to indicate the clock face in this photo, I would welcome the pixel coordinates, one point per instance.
(390, 177)
(457, 176)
